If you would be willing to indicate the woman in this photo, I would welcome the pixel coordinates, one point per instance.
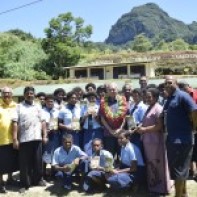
(137, 111)
(154, 147)
(59, 95)
(90, 120)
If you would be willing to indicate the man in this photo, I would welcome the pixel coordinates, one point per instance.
(9, 156)
(183, 85)
(127, 92)
(54, 136)
(29, 131)
(68, 159)
(113, 109)
(100, 161)
(178, 110)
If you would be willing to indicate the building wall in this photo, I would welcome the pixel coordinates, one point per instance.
(108, 70)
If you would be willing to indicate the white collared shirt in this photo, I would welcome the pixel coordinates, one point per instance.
(29, 118)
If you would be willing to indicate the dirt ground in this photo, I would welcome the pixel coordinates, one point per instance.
(55, 189)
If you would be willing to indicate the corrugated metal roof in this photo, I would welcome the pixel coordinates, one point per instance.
(50, 88)
(104, 65)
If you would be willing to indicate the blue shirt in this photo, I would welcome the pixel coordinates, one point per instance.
(62, 157)
(51, 117)
(103, 155)
(176, 117)
(130, 153)
(95, 123)
(138, 111)
(68, 113)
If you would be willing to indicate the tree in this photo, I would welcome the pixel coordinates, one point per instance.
(64, 37)
(178, 45)
(162, 46)
(141, 44)
(21, 59)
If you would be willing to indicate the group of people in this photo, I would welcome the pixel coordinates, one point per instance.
(105, 136)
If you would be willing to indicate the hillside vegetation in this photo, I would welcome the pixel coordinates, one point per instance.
(155, 23)
(146, 29)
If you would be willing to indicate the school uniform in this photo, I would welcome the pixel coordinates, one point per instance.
(54, 138)
(91, 127)
(95, 179)
(61, 157)
(124, 180)
(67, 114)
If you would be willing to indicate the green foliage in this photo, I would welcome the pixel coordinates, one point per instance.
(193, 47)
(178, 45)
(19, 59)
(162, 46)
(155, 23)
(21, 34)
(141, 44)
(64, 37)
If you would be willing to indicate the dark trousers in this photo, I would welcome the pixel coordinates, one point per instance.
(67, 178)
(30, 163)
(111, 144)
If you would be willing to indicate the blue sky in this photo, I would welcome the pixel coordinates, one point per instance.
(101, 14)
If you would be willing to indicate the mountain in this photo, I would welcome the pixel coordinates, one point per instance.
(154, 23)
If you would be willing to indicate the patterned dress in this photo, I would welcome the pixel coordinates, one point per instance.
(155, 154)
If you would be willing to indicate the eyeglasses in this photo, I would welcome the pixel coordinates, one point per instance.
(6, 94)
(168, 83)
(96, 145)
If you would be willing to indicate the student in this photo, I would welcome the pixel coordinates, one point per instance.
(59, 95)
(90, 120)
(69, 118)
(68, 159)
(53, 133)
(131, 170)
(95, 179)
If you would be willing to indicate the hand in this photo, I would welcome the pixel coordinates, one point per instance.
(99, 168)
(66, 168)
(114, 171)
(44, 140)
(131, 131)
(76, 161)
(117, 132)
(108, 174)
(69, 128)
(16, 144)
(94, 114)
(141, 130)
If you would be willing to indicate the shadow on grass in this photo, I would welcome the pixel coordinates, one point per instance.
(57, 190)
(142, 192)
